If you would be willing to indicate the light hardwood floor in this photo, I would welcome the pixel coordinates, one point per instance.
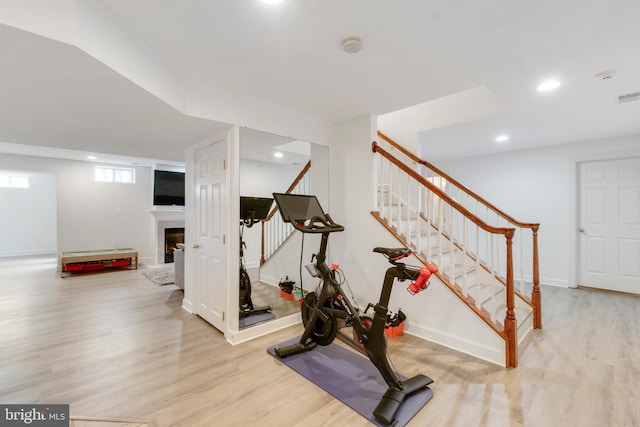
(113, 345)
(90, 422)
(263, 295)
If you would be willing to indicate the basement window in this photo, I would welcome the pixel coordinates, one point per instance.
(11, 180)
(114, 174)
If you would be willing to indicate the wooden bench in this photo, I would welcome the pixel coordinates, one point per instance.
(85, 261)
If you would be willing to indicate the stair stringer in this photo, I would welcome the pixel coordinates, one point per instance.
(441, 317)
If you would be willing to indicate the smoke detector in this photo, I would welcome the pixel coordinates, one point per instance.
(351, 44)
(605, 75)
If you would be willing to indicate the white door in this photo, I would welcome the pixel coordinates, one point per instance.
(610, 225)
(211, 278)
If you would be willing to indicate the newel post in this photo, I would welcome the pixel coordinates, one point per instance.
(510, 323)
(375, 177)
(262, 259)
(536, 296)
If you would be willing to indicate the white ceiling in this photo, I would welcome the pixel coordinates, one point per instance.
(263, 146)
(55, 95)
(475, 64)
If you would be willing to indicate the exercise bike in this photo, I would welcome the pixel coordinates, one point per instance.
(328, 308)
(252, 211)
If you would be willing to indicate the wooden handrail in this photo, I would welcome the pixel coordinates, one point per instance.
(295, 182)
(444, 196)
(416, 159)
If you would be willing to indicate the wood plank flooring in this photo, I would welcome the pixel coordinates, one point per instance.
(113, 345)
(263, 294)
(90, 422)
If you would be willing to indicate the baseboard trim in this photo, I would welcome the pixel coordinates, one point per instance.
(561, 283)
(490, 354)
(255, 264)
(52, 252)
(187, 305)
(256, 331)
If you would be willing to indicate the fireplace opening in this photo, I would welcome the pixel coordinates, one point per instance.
(172, 236)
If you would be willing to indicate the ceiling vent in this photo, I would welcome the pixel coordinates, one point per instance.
(629, 97)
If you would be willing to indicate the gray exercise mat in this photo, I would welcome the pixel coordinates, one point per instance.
(252, 319)
(350, 378)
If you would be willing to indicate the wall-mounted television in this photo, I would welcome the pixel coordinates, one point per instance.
(168, 188)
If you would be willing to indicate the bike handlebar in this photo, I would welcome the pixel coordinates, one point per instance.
(249, 222)
(317, 224)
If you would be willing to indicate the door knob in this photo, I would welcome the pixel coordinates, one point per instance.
(196, 246)
(581, 230)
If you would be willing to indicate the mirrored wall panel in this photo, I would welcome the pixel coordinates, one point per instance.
(269, 277)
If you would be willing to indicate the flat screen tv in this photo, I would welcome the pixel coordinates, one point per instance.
(168, 188)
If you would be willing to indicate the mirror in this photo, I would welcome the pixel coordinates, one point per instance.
(270, 272)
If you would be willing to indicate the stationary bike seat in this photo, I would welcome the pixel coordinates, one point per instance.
(393, 253)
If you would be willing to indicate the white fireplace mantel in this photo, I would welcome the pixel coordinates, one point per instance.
(168, 213)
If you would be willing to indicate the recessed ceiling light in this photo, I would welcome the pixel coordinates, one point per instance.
(548, 85)
(278, 154)
(92, 158)
(502, 138)
(271, 1)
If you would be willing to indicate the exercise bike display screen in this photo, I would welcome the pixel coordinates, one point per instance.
(298, 207)
(255, 207)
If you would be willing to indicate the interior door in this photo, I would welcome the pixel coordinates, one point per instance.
(212, 276)
(610, 224)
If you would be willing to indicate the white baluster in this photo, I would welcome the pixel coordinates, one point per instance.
(465, 265)
(451, 245)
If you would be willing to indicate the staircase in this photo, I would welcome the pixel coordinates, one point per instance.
(274, 230)
(486, 258)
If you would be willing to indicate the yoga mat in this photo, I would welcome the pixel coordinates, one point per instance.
(252, 319)
(350, 378)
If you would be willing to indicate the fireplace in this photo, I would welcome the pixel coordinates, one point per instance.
(172, 236)
(164, 220)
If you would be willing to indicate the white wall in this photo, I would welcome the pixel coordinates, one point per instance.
(261, 179)
(540, 186)
(94, 215)
(351, 206)
(28, 216)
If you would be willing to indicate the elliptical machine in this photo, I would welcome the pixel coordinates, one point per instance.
(252, 211)
(321, 309)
